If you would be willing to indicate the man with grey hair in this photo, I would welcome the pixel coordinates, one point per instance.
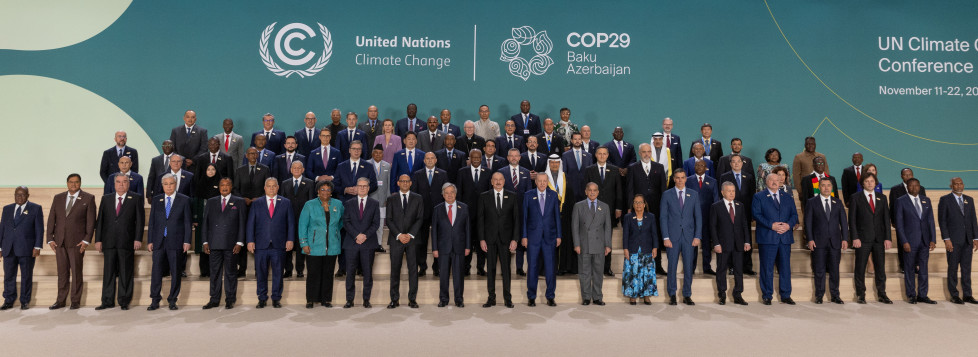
(469, 140)
(591, 227)
(451, 242)
(111, 156)
(168, 238)
(298, 189)
(361, 218)
(276, 138)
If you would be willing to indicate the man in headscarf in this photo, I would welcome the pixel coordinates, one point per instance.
(557, 181)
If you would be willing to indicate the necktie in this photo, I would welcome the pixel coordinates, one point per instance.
(361, 208)
(476, 171)
(268, 134)
(646, 169)
(227, 142)
(251, 171)
(525, 124)
(410, 162)
(961, 205)
(511, 142)
(18, 214)
(118, 206)
(309, 135)
(288, 161)
(119, 152)
(450, 155)
(429, 177)
(681, 200)
(403, 201)
(71, 203)
(602, 174)
(271, 208)
(543, 197)
(668, 140)
(432, 135)
(169, 204)
(516, 177)
(351, 135)
(489, 164)
(224, 203)
(295, 187)
(411, 125)
(533, 160)
(701, 181)
(355, 169)
(620, 152)
(548, 143)
(872, 204)
(731, 212)
(214, 158)
(737, 176)
(920, 210)
(188, 132)
(444, 128)
(450, 220)
(828, 208)
(499, 201)
(777, 198)
(577, 156)
(325, 157)
(707, 144)
(593, 209)
(857, 174)
(166, 161)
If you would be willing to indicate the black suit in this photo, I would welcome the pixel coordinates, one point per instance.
(872, 228)
(627, 156)
(807, 190)
(723, 166)
(247, 185)
(503, 146)
(745, 195)
(498, 228)
(110, 161)
(730, 235)
(540, 164)
(298, 198)
(451, 238)
(452, 164)
(303, 143)
(281, 168)
(850, 183)
(497, 163)
(224, 165)
(651, 186)
(556, 146)
(403, 219)
(189, 146)
(223, 228)
(468, 193)
(466, 144)
(158, 166)
(959, 227)
(430, 196)
(117, 232)
(827, 230)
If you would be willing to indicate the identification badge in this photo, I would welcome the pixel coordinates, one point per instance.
(526, 131)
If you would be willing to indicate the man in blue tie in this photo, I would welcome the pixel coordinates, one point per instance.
(541, 237)
(21, 237)
(914, 217)
(681, 222)
(168, 238)
(776, 215)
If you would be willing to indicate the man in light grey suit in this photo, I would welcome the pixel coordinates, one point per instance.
(382, 169)
(431, 140)
(189, 140)
(592, 242)
(232, 145)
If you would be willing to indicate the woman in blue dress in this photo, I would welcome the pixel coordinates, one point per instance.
(640, 239)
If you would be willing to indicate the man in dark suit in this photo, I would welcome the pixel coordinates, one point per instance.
(427, 182)
(307, 138)
(431, 139)
(446, 125)
(851, 176)
(322, 161)
(265, 156)
(621, 153)
(550, 142)
(914, 216)
(469, 140)
(712, 147)
(723, 165)
(519, 179)
(347, 136)
(534, 161)
(589, 145)
(575, 161)
(298, 189)
(169, 238)
(492, 161)
(527, 124)
(672, 142)
(349, 171)
(809, 187)
(405, 215)
(498, 229)
(189, 140)
(335, 125)
(249, 185)
(275, 138)
(158, 166)
(745, 195)
(118, 234)
(223, 228)
(135, 179)
(896, 192)
(648, 178)
(473, 180)
(372, 126)
(270, 232)
(451, 237)
(510, 139)
(681, 223)
(21, 237)
(610, 189)
(410, 123)
(451, 159)
(184, 178)
(71, 223)
(709, 192)
(407, 160)
(729, 225)
(776, 216)
(869, 227)
(827, 229)
(541, 234)
(361, 218)
(221, 161)
(959, 230)
(698, 155)
(111, 156)
(282, 168)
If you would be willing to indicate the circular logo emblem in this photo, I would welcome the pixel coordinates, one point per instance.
(291, 56)
(520, 66)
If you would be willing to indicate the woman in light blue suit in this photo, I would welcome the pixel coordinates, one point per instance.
(319, 236)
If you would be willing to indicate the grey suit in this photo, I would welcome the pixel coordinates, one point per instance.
(592, 234)
(235, 148)
(426, 144)
(384, 180)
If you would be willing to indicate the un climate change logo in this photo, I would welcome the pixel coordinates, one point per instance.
(519, 66)
(299, 57)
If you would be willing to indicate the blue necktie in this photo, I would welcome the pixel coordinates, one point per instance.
(410, 157)
(169, 205)
(429, 177)
(738, 180)
(188, 132)
(577, 155)
(18, 215)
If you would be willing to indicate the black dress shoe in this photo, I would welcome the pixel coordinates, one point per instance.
(286, 275)
(211, 305)
(599, 302)
(531, 303)
(551, 302)
(837, 300)
(818, 300)
(884, 299)
(660, 271)
(261, 304)
(103, 307)
(646, 301)
(276, 304)
(24, 307)
(459, 304)
(766, 301)
(481, 272)
(7, 306)
(957, 300)
(912, 300)
(861, 299)
(926, 300)
(609, 273)
(74, 307)
(173, 306)
(310, 305)
(467, 273)
(739, 301)
(393, 304)
(970, 300)
(722, 300)
(56, 306)
(508, 304)
(183, 274)
(124, 307)
(442, 303)
(709, 272)
(229, 305)
(787, 300)
(435, 273)
(750, 272)
(348, 305)
(327, 305)
(489, 303)
(381, 250)
(672, 300)
(688, 301)
(421, 273)
(241, 274)
(205, 275)
(153, 307)
(561, 273)
(300, 275)
(586, 302)
(366, 305)
(340, 274)
(413, 304)
(632, 302)
(520, 272)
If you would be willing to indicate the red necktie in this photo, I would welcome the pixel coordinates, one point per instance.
(227, 142)
(271, 209)
(224, 203)
(118, 206)
(731, 212)
(516, 177)
(857, 173)
(872, 205)
(450, 215)
(701, 182)
(213, 158)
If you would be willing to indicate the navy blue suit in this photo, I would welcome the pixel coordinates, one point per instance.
(709, 193)
(503, 146)
(168, 234)
(303, 145)
(452, 129)
(451, 165)
(524, 184)
(135, 184)
(314, 163)
(401, 126)
(275, 142)
(828, 230)
(627, 156)
(270, 242)
(541, 162)
(534, 125)
(266, 157)
(110, 161)
(917, 231)
(774, 248)
(452, 241)
(360, 255)
(690, 166)
(343, 142)
(575, 175)
(959, 227)
(541, 230)
(675, 148)
(19, 236)
(281, 169)
(346, 177)
(399, 165)
(680, 224)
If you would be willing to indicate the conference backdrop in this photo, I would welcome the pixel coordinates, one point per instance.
(894, 80)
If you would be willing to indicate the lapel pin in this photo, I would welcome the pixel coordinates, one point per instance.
(128, 197)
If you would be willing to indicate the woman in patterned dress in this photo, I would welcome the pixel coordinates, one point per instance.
(641, 243)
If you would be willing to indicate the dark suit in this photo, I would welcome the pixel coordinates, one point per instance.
(651, 186)
(745, 195)
(298, 197)
(533, 125)
(503, 143)
(850, 182)
(918, 231)
(468, 193)
(67, 230)
(189, 145)
(110, 161)
(959, 227)
(498, 226)
(347, 177)
(497, 163)
(872, 227)
(897, 191)
(315, 166)
(270, 236)
(185, 183)
(690, 166)
(541, 229)
(250, 186)
(540, 164)
(451, 238)
(466, 144)
(575, 174)
(730, 235)
(360, 256)
(157, 167)
(451, 129)
(223, 228)
(714, 150)
(402, 126)
(306, 143)
(343, 142)
(403, 219)
(224, 165)
(828, 230)
(117, 233)
(266, 157)
(451, 164)
(281, 169)
(775, 249)
(807, 189)
(399, 165)
(623, 159)
(708, 194)
(19, 236)
(168, 233)
(430, 196)
(555, 146)
(370, 132)
(275, 142)
(590, 146)
(675, 148)
(135, 184)
(723, 165)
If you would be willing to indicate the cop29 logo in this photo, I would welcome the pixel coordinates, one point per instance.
(294, 57)
(519, 66)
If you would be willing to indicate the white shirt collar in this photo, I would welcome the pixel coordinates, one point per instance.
(497, 191)
(868, 193)
(727, 203)
(171, 197)
(73, 195)
(118, 196)
(912, 197)
(270, 198)
(228, 197)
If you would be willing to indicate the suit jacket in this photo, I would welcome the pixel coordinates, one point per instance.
(314, 163)
(225, 165)
(541, 163)
(497, 163)
(303, 145)
(850, 184)
(533, 126)
(676, 149)
(427, 144)
(370, 132)
(827, 230)
(723, 165)
(469, 190)
(177, 225)
(897, 191)
(524, 183)
(450, 129)
(343, 142)
(574, 175)
(306, 192)
(110, 161)
(346, 177)
(404, 220)
(157, 167)
(708, 194)
(275, 142)
(714, 151)
(503, 146)
(390, 147)
(119, 231)
(729, 235)
(865, 224)
(354, 225)
(690, 166)
(267, 232)
(135, 184)
(78, 225)
(766, 211)
(591, 146)
(186, 183)
(745, 194)
(635, 237)
(451, 165)
(556, 146)
(591, 229)
(627, 157)
(266, 157)
(384, 181)
(610, 190)
(910, 228)
(957, 226)
(807, 190)
(224, 228)
(249, 186)
(541, 228)
(651, 186)
(498, 226)
(18, 238)
(399, 165)
(189, 146)
(430, 193)
(451, 238)
(680, 224)
(281, 168)
(465, 144)
(235, 148)
(401, 126)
